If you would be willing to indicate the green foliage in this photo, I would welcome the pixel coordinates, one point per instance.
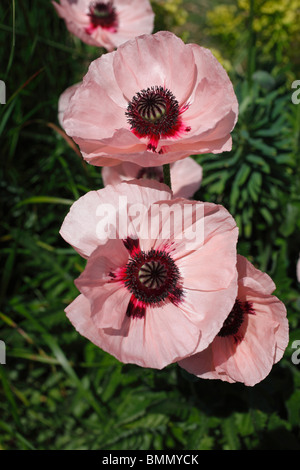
(169, 15)
(275, 25)
(58, 390)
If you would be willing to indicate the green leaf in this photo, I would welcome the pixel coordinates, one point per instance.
(264, 148)
(45, 200)
(231, 438)
(254, 185)
(258, 162)
(289, 224)
(244, 424)
(266, 215)
(242, 175)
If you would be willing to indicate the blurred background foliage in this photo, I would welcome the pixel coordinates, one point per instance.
(57, 390)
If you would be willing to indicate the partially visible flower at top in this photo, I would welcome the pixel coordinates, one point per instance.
(106, 24)
(253, 337)
(153, 101)
(298, 269)
(186, 175)
(151, 299)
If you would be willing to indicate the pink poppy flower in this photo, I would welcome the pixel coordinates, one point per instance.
(253, 337)
(153, 101)
(64, 100)
(298, 269)
(106, 24)
(186, 175)
(151, 297)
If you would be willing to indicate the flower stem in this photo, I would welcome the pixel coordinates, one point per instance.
(167, 175)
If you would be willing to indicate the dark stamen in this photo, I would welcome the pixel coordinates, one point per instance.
(151, 173)
(103, 14)
(235, 319)
(155, 113)
(152, 277)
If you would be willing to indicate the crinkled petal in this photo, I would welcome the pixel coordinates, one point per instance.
(100, 215)
(208, 310)
(84, 116)
(212, 266)
(210, 103)
(252, 359)
(254, 278)
(186, 177)
(149, 61)
(64, 101)
(154, 341)
(249, 355)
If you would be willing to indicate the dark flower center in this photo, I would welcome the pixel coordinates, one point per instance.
(235, 319)
(151, 106)
(103, 14)
(151, 173)
(155, 113)
(152, 277)
(152, 274)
